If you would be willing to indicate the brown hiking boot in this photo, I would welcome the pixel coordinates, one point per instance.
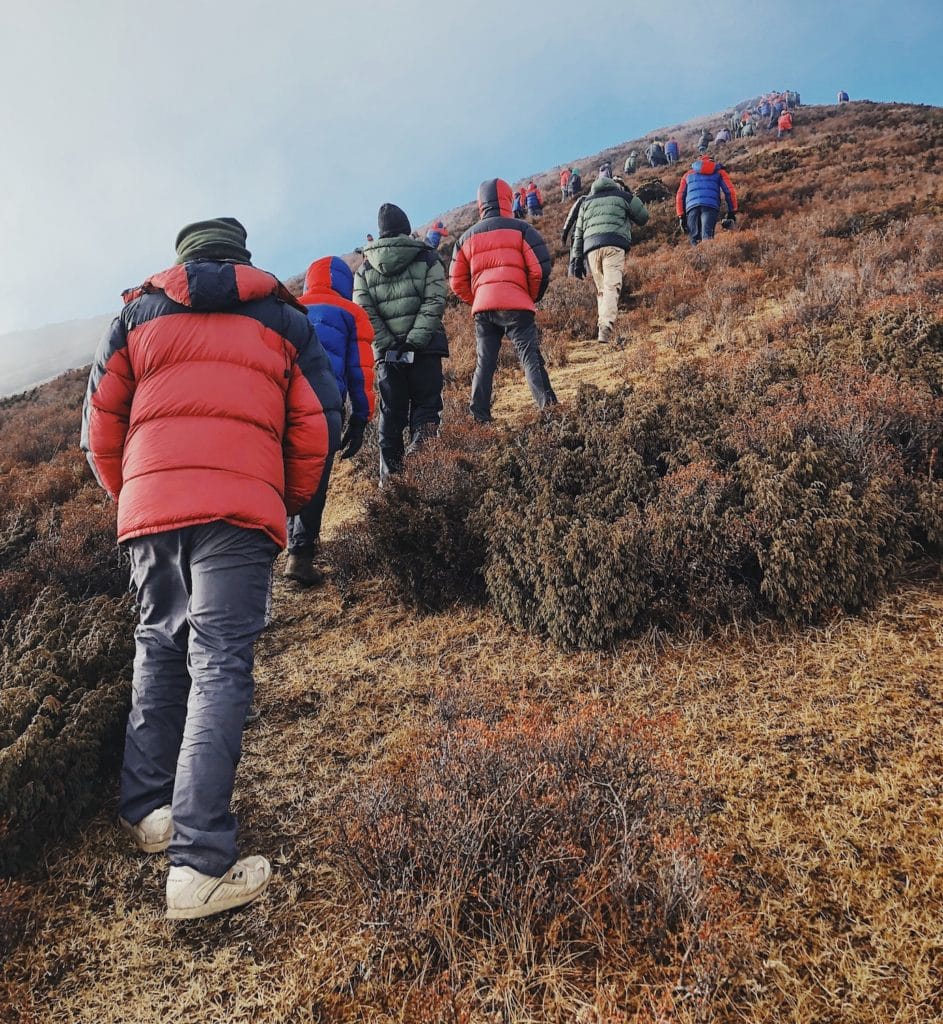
(605, 334)
(301, 569)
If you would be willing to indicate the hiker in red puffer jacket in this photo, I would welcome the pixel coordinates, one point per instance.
(501, 266)
(211, 411)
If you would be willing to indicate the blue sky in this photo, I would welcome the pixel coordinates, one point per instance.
(123, 121)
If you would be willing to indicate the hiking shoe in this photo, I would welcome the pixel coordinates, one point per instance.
(253, 714)
(191, 894)
(152, 833)
(301, 569)
(605, 335)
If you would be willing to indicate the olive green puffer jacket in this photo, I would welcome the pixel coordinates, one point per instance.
(606, 218)
(402, 288)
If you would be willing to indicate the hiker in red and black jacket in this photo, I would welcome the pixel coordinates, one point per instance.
(501, 267)
(211, 412)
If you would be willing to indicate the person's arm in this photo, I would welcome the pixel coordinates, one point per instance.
(460, 275)
(358, 369)
(312, 417)
(730, 193)
(106, 412)
(681, 195)
(638, 211)
(429, 317)
(571, 219)
(382, 336)
(537, 262)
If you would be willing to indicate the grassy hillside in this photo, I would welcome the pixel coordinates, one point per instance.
(448, 800)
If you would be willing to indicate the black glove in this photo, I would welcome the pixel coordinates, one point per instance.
(352, 438)
(577, 268)
(732, 216)
(683, 224)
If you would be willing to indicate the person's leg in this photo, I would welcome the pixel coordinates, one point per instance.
(612, 261)
(230, 568)
(521, 326)
(488, 337)
(304, 529)
(394, 416)
(694, 224)
(594, 262)
(425, 399)
(708, 221)
(161, 576)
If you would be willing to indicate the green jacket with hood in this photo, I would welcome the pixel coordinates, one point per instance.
(605, 218)
(402, 288)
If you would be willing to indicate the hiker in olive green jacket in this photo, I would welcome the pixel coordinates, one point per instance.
(601, 239)
(401, 286)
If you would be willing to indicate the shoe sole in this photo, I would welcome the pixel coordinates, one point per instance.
(220, 907)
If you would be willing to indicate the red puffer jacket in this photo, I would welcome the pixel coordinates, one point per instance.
(210, 399)
(501, 262)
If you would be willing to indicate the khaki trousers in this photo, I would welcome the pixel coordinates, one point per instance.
(606, 265)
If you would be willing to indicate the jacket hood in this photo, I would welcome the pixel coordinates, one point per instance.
(391, 255)
(705, 166)
(210, 286)
(495, 198)
(604, 184)
(330, 273)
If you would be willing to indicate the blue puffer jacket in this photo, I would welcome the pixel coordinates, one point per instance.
(344, 330)
(702, 186)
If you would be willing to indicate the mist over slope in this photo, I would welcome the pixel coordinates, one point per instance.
(28, 358)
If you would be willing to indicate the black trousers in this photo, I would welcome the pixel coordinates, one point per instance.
(410, 397)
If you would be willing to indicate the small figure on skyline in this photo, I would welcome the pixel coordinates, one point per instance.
(564, 183)
(672, 151)
(631, 162)
(704, 141)
(842, 97)
(435, 234)
(576, 182)
(784, 125)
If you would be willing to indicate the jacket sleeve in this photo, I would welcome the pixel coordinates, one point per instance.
(571, 219)
(682, 194)
(359, 366)
(106, 412)
(382, 336)
(638, 211)
(428, 320)
(460, 275)
(312, 419)
(730, 193)
(537, 263)
(576, 248)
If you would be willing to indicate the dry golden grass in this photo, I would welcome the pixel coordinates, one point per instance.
(824, 747)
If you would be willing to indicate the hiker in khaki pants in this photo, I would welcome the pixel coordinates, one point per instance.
(601, 239)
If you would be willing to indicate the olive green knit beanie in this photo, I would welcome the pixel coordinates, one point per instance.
(222, 238)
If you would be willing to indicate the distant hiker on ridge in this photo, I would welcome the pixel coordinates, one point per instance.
(517, 207)
(697, 202)
(435, 234)
(401, 285)
(655, 154)
(784, 125)
(605, 169)
(631, 162)
(533, 200)
(576, 182)
(722, 137)
(211, 410)
(602, 236)
(346, 333)
(502, 268)
(842, 97)
(704, 141)
(564, 183)
(672, 151)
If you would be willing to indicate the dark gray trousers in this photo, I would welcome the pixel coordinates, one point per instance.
(521, 327)
(202, 594)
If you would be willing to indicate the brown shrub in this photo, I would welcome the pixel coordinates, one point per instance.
(515, 864)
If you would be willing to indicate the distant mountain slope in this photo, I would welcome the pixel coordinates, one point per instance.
(28, 358)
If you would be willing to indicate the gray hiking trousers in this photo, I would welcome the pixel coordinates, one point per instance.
(202, 594)
(520, 326)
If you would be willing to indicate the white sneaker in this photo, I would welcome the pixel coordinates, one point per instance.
(152, 833)
(191, 894)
